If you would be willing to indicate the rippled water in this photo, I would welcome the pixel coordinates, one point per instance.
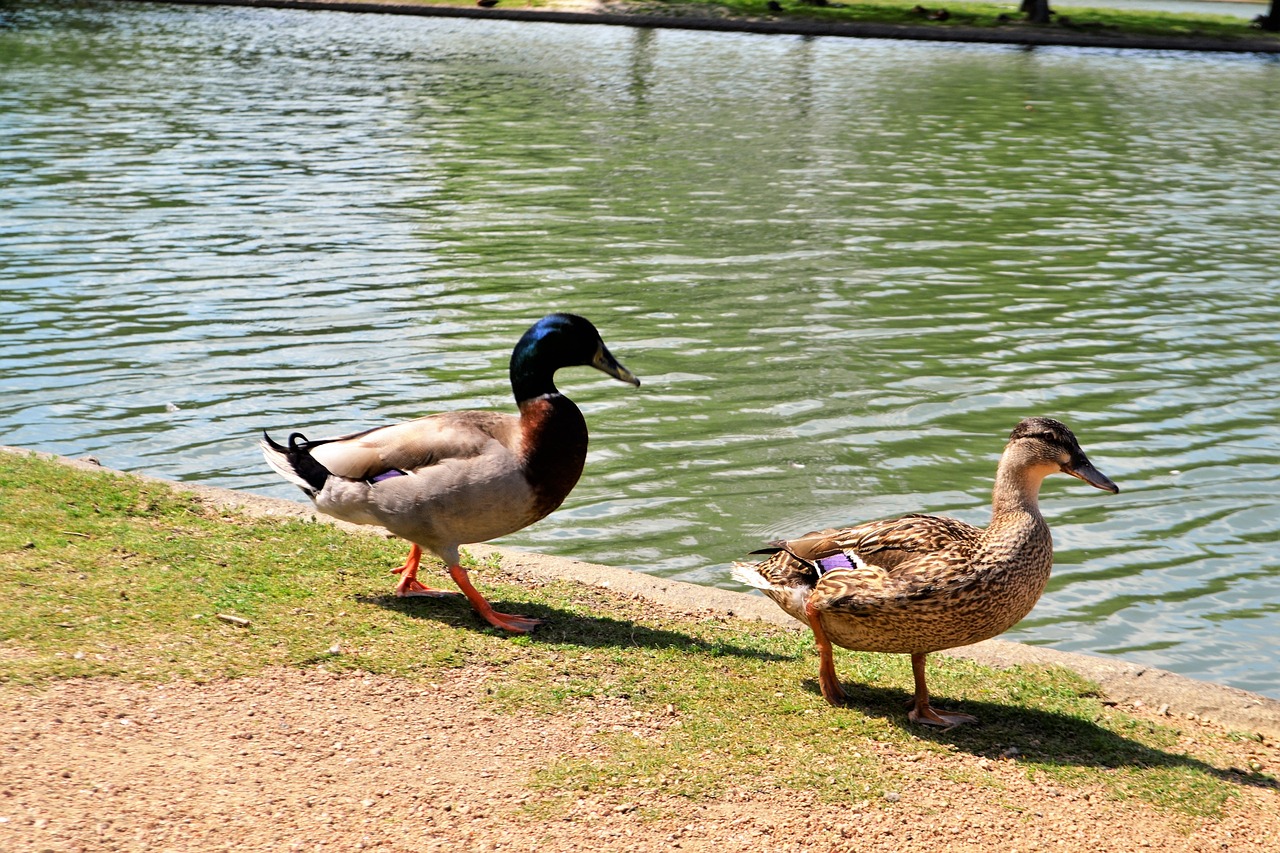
(843, 269)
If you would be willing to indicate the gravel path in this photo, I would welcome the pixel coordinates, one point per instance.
(307, 760)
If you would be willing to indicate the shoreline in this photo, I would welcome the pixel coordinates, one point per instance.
(1013, 35)
(1123, 682)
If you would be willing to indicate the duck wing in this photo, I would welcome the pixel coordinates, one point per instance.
(904, 543)
(887, 544)
(416, 445)
(895, 561)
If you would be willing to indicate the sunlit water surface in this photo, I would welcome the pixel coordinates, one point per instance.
(844, 270)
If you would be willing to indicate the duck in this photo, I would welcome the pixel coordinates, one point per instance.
(461, 477)
(918, 583)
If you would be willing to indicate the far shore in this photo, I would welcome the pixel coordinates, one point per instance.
(620, 14)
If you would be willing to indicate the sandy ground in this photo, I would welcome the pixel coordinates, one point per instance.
(309, 760)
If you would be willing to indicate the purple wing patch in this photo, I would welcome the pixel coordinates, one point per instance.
(835, 561)
(387, 475)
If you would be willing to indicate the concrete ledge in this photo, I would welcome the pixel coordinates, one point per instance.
(1121, 681)
(1015, 34)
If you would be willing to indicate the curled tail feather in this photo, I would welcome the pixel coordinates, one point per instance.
(295, 462)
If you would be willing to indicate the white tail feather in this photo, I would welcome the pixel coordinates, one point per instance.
(746, 574)
(279, 463)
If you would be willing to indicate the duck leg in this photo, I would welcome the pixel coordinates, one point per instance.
(409, 585)
(827, 681)
(506, 621)
(921, 711)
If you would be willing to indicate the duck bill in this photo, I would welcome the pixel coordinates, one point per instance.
(1085, 471)
(604, 361)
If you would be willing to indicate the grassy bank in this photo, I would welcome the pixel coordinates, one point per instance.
(108, 576)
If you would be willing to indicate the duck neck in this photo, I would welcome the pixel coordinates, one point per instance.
(530, 378)
(1016, 494)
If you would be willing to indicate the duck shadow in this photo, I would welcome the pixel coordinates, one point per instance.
(1044, 737)
(562, 627)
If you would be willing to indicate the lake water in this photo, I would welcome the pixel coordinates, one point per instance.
(844, 270)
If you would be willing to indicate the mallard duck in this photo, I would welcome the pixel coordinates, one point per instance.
(461, 477)
(923, 583)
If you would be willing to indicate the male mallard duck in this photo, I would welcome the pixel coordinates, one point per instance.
(923, 583)
(460, 477)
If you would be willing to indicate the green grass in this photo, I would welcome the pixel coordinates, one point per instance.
(102, 575)
(958, 14)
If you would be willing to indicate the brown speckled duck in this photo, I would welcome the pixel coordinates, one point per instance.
(923, 583)
(460, 477)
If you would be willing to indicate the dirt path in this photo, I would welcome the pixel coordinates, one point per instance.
(307, 760)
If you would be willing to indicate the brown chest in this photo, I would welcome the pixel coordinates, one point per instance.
(553, 448)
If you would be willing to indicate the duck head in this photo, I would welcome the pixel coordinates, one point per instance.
(556, 341)
(1044, 442)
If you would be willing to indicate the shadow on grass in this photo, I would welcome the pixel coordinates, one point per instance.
(561, 627)
(1059, 739)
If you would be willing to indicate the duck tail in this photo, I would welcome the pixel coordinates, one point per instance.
(748, 574)
(295, 462)
(782, 570)
(785, 581)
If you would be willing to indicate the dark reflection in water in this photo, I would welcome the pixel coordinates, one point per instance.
(844, 270)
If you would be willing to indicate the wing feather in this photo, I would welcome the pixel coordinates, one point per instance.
(906, 559)
(418, 444)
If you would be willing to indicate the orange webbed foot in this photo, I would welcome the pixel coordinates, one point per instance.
(410, 586)
(512, 622)
(832, 691)
(926, 715)
(921, 711)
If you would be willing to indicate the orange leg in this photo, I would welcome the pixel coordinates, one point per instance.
(506, 621)
(410, 586)
(827, 681)
(921, 711)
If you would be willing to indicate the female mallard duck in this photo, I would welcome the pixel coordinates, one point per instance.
(461, 477)
(924, 583)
